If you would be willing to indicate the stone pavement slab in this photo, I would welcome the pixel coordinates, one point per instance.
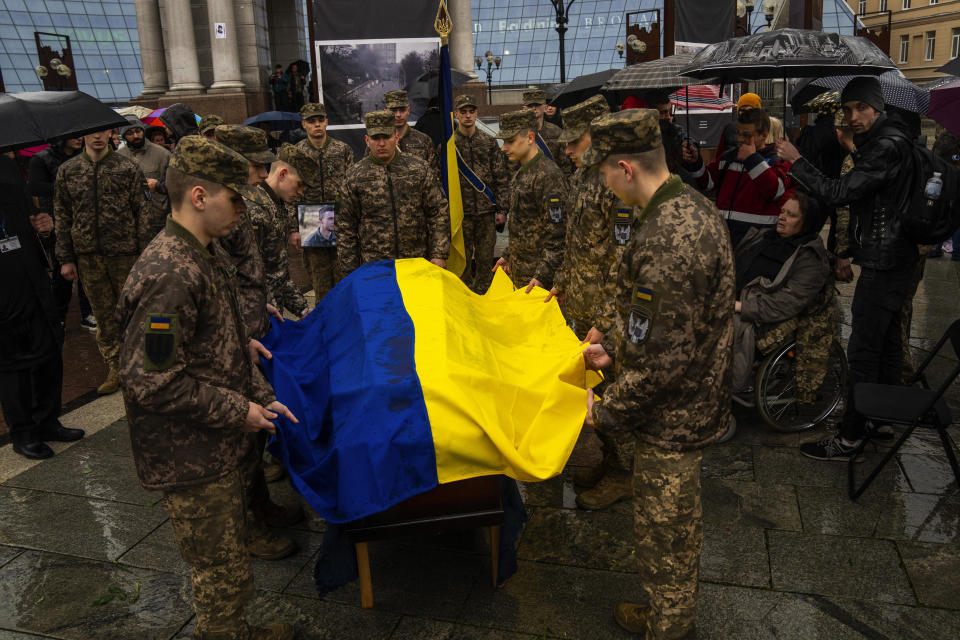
(589, 539)
(933, 570)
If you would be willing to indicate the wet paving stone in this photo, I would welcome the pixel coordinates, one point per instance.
(592, 539)
(98, 529)
(556, 492)
(933, 571)
(159, 551)
(920, 518)
(750, 504)
(8, 553)
(728, 460)
(829, 511)
(838, 566)
(778, 465)
(53, 594)
(735, 554)
(929, 473)
(554, 601)
(421, 629)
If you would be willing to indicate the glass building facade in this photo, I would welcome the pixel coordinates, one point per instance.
(103, 40)
(523, 33)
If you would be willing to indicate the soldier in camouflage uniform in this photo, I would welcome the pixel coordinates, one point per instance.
(208, 124)
(390, 205)
(332, 159)
(102, 223)
(482, 155)
(191, 390)
(412, 142)
(538, 198)
(672, 347)
(286, 182)
(549, 133)
(597, 232)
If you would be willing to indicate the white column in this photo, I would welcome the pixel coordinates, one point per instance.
(461, 39)
(223, 50)
(184, 68)
(152, 59)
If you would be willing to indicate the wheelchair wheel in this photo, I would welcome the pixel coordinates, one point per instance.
(776, 390)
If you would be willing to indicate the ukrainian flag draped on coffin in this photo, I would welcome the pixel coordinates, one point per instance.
(402, 378)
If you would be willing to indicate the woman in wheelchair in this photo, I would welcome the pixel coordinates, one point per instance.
(779, 273)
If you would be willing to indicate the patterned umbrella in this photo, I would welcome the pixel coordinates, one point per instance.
(826, 102)
(943, 105)
(153, 118)
(897, 91)
(656, 74)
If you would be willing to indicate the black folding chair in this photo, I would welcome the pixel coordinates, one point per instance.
(909, 405)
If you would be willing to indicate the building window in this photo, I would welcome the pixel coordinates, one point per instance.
(955, 44)
(904, 49)
(906, 4)
(862, 7)
(883, 5)
(931, 44)
(934, 2)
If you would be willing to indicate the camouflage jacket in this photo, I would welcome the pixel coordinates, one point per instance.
(269, 223)
(551, 135)
(417, 143)
(387, 211)
(482, 154)
(538, 198)
(598, 228)
(334, 158)
(241, 245)
(186, 375)
(673, 340)
(100, 208)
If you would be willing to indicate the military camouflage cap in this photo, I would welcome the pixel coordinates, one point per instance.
(208, 159)
(514, 122)
(210, 121)
(301, 162)
(630, 131)
(534, 96)
(249, 142)
(464, 100)
(396, 99)
(576, 119)
(379, 123)
(312, 109)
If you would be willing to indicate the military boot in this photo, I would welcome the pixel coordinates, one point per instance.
(281, 631)
(266, 545)
(278, 515)
(272, 471)
(632, 617)
(588, 477)
(111, 384)
(612, 488)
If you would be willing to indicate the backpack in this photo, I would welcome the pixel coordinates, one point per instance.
(925, 220)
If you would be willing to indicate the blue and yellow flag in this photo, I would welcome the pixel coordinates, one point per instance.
(449, 176)
(402, 379)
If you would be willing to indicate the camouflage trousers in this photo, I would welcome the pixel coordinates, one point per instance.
(209, 526)
(321, 265)
(103, 278)
(479, 239)
(256, 493)
(669, 526)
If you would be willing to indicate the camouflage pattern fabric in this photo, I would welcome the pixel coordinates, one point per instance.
(301, 162)
(673, 338)
(100, 208)
(396, 99)
(576, 119)
(668, 521)
(213, 161)
(103, 278)
(208, 122)
(482, 154)
(598, 230)
(269, 222)
(551, 135)
(534, 97)
(379, 123)
(816, 332)
(390, 210)
(417, 143)
(209, 526)
(513, 122)
(249, 142)
(630, 131)
(241, 245)
(313, 109)
(186, 376)
(537, 219)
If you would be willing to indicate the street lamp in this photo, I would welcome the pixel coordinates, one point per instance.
(491, 61)
(56, 65)
(563, 16)
(746, 7)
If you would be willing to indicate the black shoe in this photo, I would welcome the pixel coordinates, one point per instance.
(34, 450)
(831, 448)
(61, 433)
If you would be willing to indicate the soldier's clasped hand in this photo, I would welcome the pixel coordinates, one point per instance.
(595, 358)
(502, 264)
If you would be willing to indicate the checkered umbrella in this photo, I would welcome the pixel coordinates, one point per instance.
(897, 91)
(656, 74)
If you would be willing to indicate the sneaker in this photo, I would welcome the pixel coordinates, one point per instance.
(282, 631)
(831, 448)
(632, 617)
(269, 546)
(89, 323)
(612, 488)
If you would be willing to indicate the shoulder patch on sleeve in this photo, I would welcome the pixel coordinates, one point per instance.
(643, 308)
(622, 221)
(160, 341)
(555, 208)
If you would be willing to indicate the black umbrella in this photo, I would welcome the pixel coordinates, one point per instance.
(952, 67)
(426, 86)
(36, 117)
(581, 88)
(278, 120)
(897, 91)
(789, 53)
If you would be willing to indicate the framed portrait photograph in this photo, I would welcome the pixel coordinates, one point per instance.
(316, 224)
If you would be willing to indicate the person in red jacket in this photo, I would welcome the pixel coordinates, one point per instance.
(750, 180)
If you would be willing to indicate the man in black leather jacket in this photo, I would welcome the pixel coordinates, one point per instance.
(877, 189)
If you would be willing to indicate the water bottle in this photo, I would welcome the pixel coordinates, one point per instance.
(934, 187)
